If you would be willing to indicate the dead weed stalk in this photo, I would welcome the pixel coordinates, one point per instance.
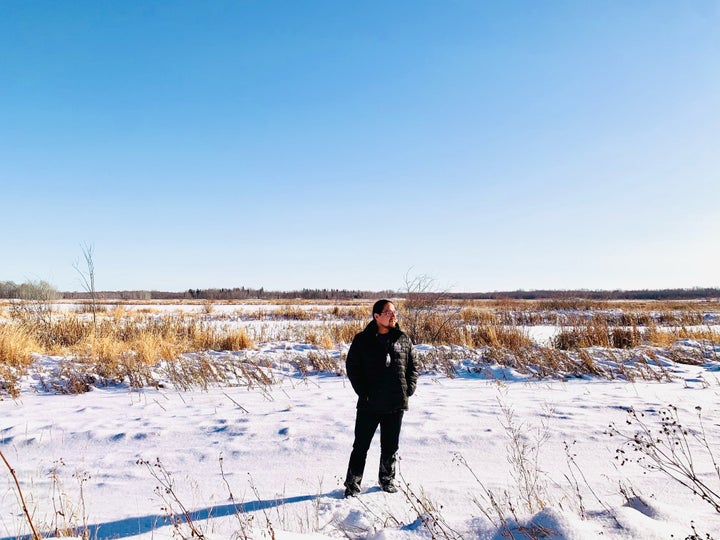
(19, 492)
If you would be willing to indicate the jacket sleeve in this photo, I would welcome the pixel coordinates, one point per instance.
(354, 369)
(411, 372)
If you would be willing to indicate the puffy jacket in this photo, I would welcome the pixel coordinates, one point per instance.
(381, 387)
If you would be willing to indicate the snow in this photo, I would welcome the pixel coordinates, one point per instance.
(250, 462)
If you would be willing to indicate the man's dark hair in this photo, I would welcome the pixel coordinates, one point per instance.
(379, 306)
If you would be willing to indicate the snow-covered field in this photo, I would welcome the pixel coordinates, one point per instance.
(263, 461)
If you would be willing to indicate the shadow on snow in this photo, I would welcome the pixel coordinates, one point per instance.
(133, 526)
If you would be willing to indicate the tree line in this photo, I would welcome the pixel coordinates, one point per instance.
(34, 290)
(695, 293)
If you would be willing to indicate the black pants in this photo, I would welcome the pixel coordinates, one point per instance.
(366, 423)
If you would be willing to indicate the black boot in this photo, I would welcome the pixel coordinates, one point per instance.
(386, 476)
(352, 484)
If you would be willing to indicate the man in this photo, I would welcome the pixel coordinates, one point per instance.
(381, 368)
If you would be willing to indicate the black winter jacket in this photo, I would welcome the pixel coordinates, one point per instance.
(380, 387)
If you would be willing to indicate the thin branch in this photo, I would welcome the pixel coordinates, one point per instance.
(36, 536)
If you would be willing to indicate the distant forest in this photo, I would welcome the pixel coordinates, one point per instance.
(41, 289)
(9, 289)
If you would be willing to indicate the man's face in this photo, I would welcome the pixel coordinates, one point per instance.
(387, 319)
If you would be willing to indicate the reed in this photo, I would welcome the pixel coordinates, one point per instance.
(495, 335)
(17, 345)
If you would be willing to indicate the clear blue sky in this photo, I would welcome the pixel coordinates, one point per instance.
(344, 144)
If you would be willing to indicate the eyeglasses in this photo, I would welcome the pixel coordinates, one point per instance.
(388, 313)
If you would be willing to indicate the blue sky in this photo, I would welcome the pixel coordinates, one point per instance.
(333, 144)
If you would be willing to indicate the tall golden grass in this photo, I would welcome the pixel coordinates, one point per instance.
(596, 332)
(16, 346)
(117, 346)
(128, 342)
(16, 354)
(499, 336)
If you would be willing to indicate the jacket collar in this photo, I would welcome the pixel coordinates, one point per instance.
(372, 328)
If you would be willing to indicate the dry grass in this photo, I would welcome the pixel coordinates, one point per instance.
(16, 346)
(116, 348)
(129, 342)
(477, 316)
(434, 328)
(321, 339)
(597, 333)
(87, 307)
(345, 332)
(16, 350)
(293, 313)
(576, 311)
(322, 362)
(494, 335)
(349, 312)
(664, 337)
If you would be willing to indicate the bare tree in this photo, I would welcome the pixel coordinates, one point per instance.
(87, 276)
(427, 312)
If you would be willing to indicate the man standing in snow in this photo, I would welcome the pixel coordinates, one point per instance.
(381, 368)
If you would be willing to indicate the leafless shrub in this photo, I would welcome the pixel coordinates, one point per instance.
(69, 517)
(500, 510)
(268, 522)
(523, 455)
(244, 519)
(429, 514)
(426, 315)
(670, 448)
(87, 278)
(175, 510)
